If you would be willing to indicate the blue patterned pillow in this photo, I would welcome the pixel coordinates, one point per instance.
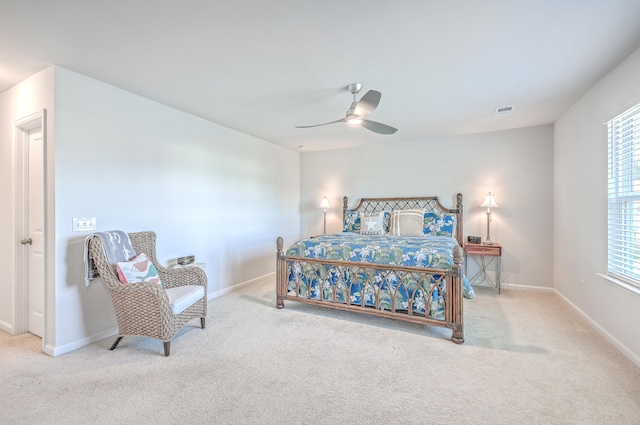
(440, 225)
(351, 221)
(386, 223)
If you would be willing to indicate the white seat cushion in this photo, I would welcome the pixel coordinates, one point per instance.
(182, 297)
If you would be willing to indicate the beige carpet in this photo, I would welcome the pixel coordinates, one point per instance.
(527, 359)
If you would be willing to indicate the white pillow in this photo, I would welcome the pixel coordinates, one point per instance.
(407, 222)
(372, 224)
(138, 269)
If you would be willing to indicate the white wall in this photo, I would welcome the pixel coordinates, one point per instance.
(31, 96)
(135, 164)
(116, 152)
(515, 165)
(580, 209)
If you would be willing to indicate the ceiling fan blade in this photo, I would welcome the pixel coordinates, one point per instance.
(368, 103)
(377, 127)
(318, 125)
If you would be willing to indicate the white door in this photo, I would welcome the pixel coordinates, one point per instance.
(34, 241)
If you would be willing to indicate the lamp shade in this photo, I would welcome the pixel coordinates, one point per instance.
(489, 202)
(325, 203)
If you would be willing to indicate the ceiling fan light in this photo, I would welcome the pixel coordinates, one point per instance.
(360, 109)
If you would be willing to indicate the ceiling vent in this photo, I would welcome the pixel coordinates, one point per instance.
(504, 110)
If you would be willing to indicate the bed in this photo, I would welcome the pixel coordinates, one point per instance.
(398, 258)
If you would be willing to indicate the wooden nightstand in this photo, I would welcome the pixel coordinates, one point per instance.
(484, 256)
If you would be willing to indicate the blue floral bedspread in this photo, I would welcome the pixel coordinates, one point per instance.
(384, 289)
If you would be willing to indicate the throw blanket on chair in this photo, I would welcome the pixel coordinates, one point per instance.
(117, 246)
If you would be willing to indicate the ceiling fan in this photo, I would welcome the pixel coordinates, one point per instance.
(360, 109)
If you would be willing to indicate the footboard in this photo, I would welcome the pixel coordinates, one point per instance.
(428, 286)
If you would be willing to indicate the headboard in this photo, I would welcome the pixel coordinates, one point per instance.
(428, 203)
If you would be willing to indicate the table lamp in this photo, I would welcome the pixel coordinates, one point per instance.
(488, 203)
(325, 205)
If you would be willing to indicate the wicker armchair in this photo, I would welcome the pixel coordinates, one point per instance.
(145, 309)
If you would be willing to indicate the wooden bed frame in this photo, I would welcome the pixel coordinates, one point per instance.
(453, 317)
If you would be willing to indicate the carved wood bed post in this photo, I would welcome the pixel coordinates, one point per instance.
(459, 234)
(344, 208)
(454, 284)
(281, 282)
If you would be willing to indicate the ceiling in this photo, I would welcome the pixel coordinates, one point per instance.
(263, 67)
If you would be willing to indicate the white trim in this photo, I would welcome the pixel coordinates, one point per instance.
(619, 110)
(21, 127)
(530, 288)
(56, 351)
(620, 284)
(6, 326)
(221, 292)
(635, 358)
(21, 299)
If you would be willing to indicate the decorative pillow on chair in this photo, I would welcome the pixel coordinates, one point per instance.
(138, 269)
(351, 221)
(440, 225)
(374, 223)
(407, 222)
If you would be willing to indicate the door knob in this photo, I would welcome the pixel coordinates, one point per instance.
(26, 241)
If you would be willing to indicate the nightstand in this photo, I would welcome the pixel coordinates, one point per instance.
(484, 256)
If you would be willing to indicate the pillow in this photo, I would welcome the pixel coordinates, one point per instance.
(373, 223)
(138, 269)
(440, 225)
(351, 221)
(407, 222)
(386, 225)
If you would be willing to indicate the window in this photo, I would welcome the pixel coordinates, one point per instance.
(624, 196)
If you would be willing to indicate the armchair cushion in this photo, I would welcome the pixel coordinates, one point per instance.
(182, 297)
(138, 269)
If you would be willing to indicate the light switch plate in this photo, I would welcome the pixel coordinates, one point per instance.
(84, 224)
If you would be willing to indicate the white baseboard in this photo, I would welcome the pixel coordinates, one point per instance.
(221, 292)
(6, 326)
(516, 287)
(634, 357)
(54, 351)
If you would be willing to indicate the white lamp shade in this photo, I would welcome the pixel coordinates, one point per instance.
(489, 202)
(325, 203)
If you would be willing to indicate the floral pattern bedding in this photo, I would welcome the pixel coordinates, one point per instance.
(387, 288)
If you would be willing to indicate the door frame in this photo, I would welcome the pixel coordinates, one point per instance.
(22, 127)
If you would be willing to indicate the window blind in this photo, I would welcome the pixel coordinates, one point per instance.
(624, 196)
